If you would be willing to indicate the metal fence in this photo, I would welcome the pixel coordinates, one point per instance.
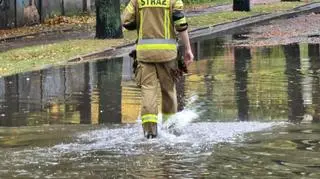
(15, 13)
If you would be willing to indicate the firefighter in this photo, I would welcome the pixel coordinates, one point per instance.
(157, 22)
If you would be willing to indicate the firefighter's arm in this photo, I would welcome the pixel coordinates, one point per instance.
(188, 54)
(178, 17)
(129, 16)
(181, 25)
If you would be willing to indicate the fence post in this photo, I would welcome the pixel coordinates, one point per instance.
(15, 14)
(62, 7)
(40, 10)
(84, 6)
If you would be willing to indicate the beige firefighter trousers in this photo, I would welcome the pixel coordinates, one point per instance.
(148, 76)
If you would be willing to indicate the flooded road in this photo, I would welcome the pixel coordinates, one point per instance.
(244, 113)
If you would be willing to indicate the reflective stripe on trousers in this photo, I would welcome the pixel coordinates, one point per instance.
(149, 118)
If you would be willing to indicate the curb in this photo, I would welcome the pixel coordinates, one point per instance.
(100, 54)
(35, 34)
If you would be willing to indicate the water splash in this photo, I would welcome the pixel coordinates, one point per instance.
(179, 133)
(177, 122)
(185, 136)
(109, 145)
(192, 137)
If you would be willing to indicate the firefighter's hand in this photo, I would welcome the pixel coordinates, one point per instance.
(188, 57)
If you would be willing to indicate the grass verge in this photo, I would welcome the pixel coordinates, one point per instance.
(196, 4)
(220, 17)
(34, 57)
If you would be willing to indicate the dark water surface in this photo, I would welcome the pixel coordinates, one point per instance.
(244, 113)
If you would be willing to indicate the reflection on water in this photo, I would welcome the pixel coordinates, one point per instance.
(84, 93)
(231, 82)
(122, 152)
(290, 152)
(233, 106)
(242, 57)
(314, 57)
(293, 71)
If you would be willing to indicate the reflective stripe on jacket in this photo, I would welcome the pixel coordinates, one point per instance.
(155, 21)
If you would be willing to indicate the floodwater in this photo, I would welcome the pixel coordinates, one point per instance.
(244, 113)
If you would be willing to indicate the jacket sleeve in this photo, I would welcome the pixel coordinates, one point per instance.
(129, 16)
(178, 17)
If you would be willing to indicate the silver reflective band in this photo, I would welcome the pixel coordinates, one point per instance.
(157, 41)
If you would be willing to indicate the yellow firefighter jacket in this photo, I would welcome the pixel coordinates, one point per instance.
(155, 21)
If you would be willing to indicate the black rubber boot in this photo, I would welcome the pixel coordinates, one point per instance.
(150, 130)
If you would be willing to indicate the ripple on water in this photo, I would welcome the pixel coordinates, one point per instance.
(188, 137)
(125, 145)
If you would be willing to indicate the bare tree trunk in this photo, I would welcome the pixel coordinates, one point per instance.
(241, 5)
(62, 8)
(84, 6)
(31, 14)
(108, 19)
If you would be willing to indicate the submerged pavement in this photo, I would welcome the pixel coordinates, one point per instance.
(238, 109)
